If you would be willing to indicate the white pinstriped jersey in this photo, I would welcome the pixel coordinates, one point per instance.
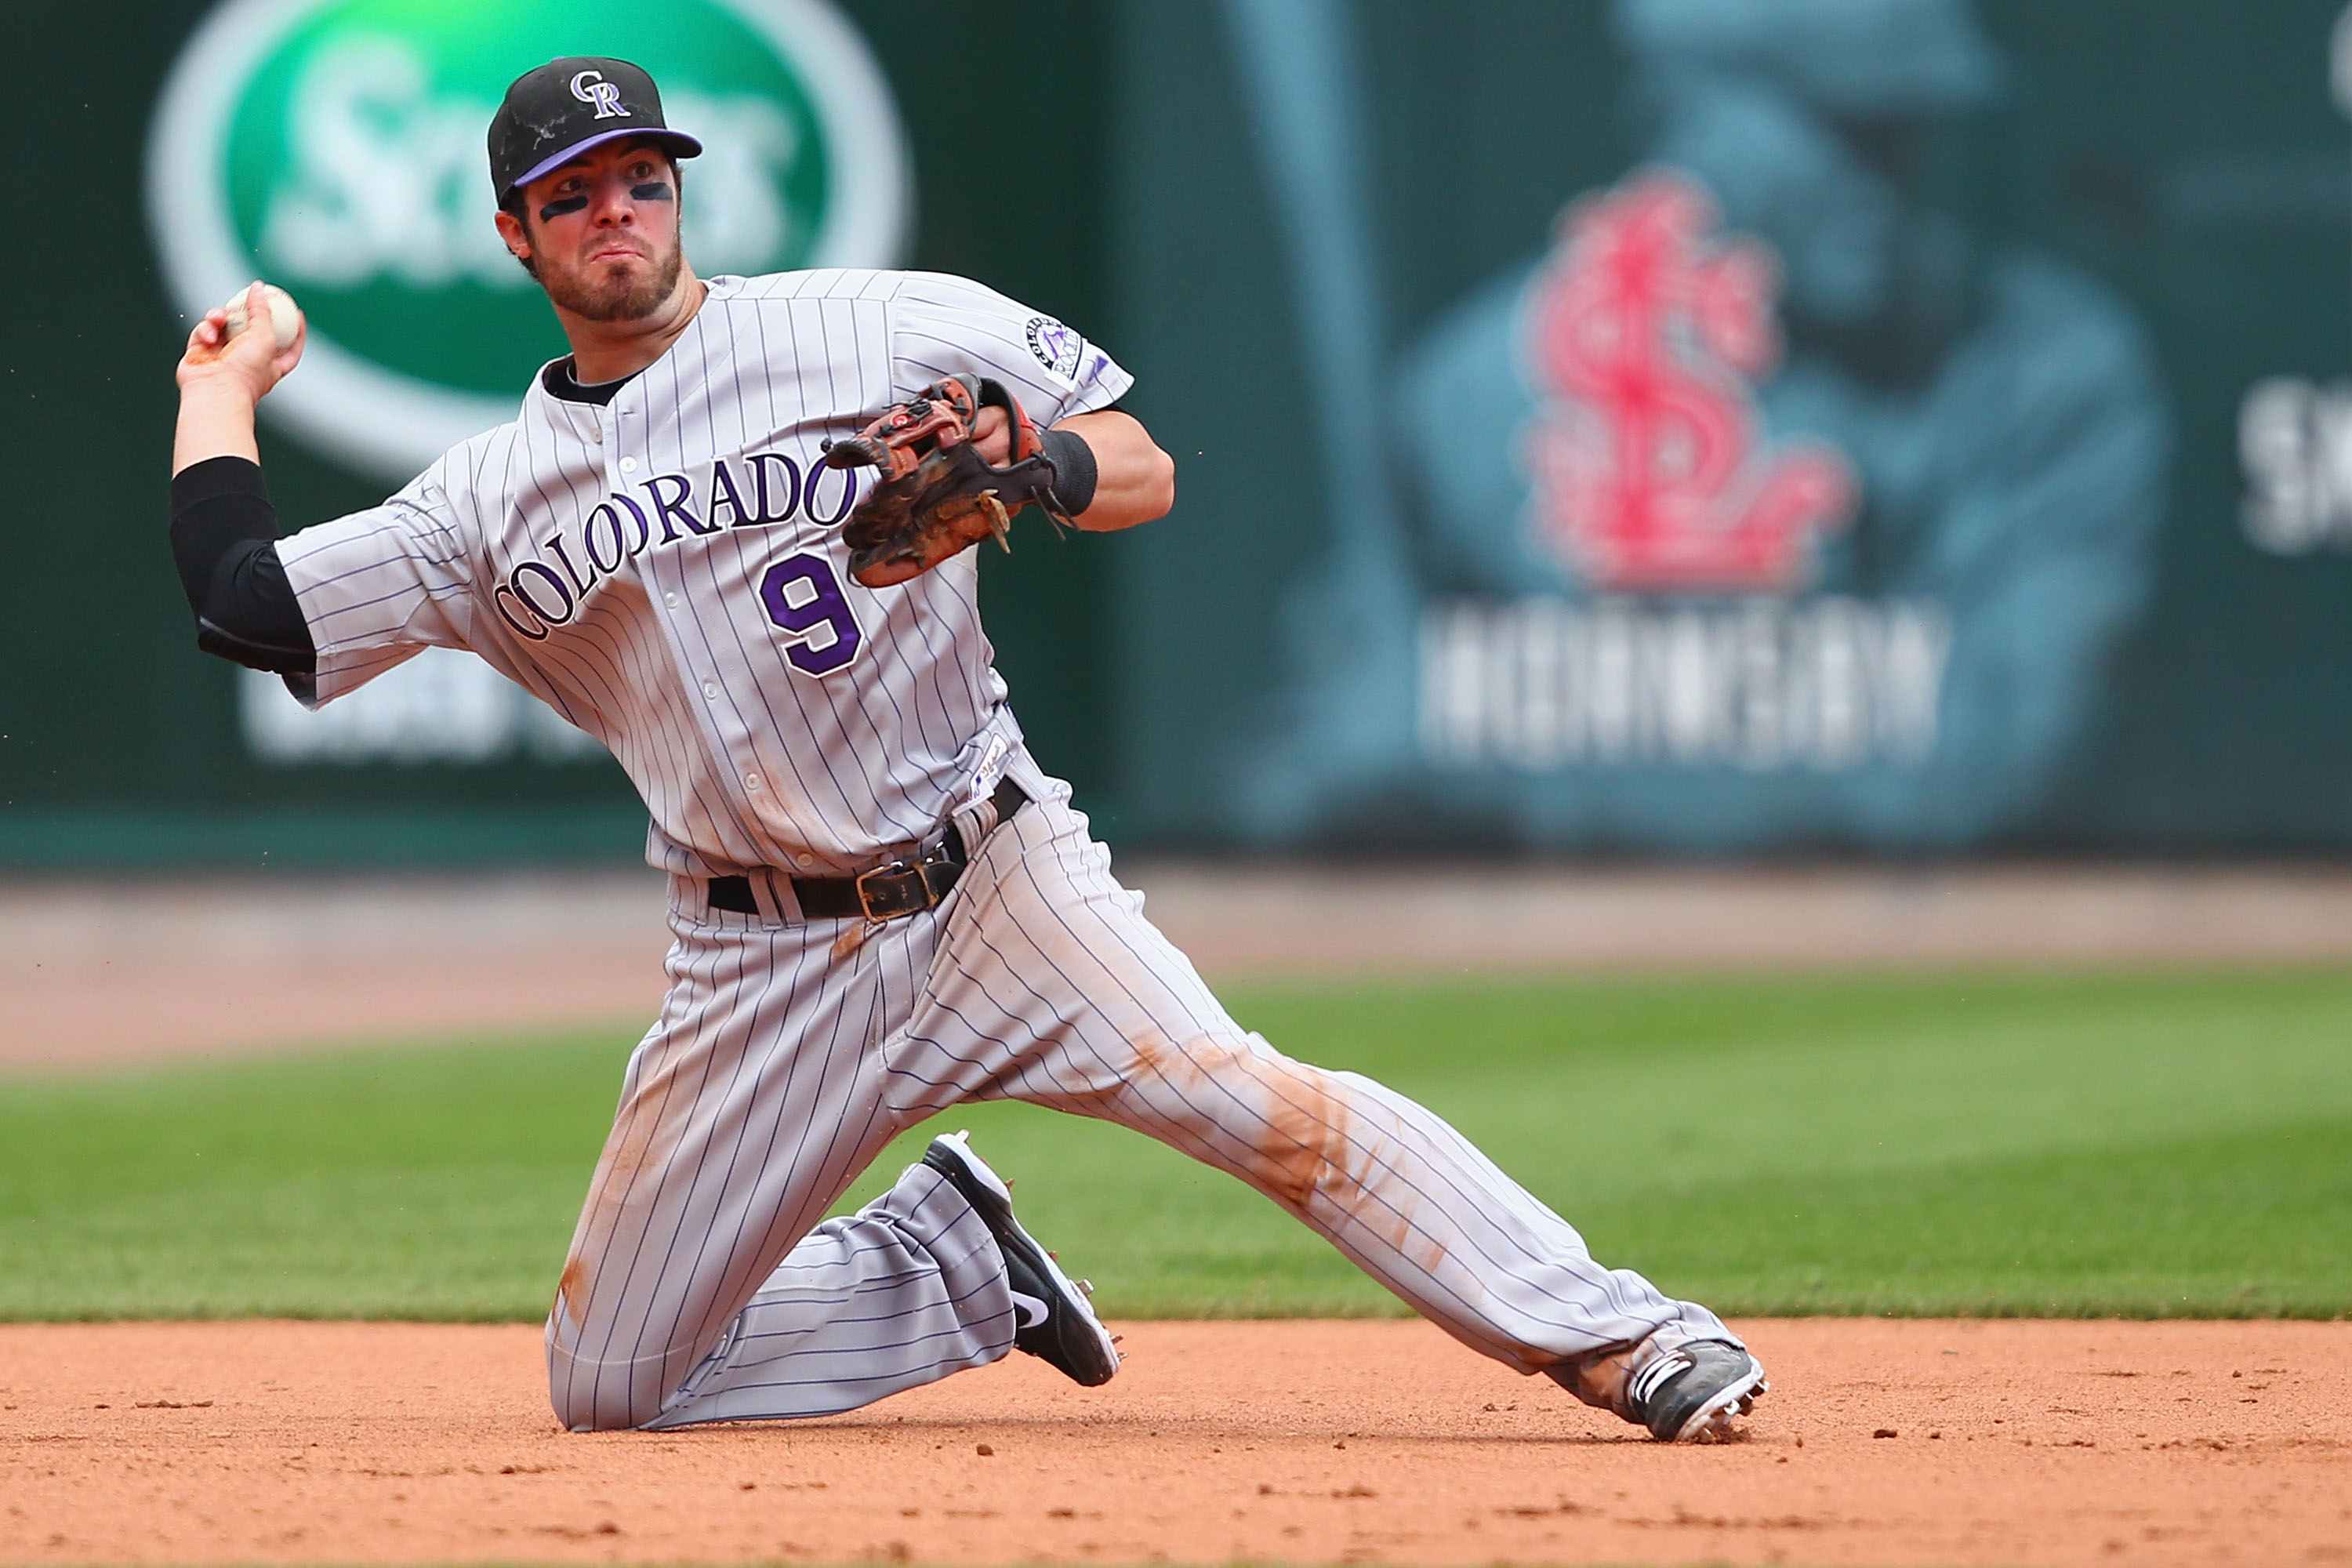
(666, 571)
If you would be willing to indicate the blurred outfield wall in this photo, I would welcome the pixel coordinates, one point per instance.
(1744, 424)
(1683, 426)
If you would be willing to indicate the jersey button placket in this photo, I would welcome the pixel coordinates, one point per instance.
(625, 429)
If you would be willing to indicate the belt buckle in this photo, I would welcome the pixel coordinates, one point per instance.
(886, 892)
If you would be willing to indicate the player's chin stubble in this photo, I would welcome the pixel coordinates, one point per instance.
(622, 295)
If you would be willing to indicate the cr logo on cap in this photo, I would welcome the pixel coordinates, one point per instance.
(590, 87)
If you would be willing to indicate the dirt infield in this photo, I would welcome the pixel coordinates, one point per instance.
(1883, 1443)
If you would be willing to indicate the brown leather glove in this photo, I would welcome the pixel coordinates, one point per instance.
(938, 496)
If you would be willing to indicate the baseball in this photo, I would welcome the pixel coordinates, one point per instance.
(285, 318)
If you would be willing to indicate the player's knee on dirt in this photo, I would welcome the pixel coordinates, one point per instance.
(592, 1393)
(593, 1384)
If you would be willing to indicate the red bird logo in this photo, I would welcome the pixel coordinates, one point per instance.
(1649, 332)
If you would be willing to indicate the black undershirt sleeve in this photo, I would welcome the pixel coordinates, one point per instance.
(225, 539)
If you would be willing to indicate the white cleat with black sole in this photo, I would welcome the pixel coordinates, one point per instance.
(1055, 1320)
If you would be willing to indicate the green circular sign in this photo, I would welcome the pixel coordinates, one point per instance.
(335, 147)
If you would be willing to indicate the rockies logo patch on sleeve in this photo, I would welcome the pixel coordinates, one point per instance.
(1057, 348)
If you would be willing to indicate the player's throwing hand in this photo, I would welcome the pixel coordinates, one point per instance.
(219, 349)
(226, 371)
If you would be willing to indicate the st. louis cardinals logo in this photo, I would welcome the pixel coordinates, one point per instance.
(1649, 334)
(590, 87)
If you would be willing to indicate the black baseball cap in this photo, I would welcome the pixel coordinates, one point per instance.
(553, 114)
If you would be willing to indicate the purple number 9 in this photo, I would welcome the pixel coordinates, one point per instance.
(804, 599)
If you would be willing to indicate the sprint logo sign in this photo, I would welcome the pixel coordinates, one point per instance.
(336, 147)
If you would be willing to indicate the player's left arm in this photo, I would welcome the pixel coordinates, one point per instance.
(1108, 472)
(1133, 481)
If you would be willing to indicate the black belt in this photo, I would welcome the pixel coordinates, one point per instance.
(901, 887)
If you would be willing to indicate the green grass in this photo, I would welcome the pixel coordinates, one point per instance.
(2136, 1145)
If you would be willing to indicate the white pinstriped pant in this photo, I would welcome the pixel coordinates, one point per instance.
(788, 1053)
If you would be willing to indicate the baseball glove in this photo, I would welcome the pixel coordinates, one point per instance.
(938, 496)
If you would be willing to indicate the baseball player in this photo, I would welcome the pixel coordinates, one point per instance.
(882, 907)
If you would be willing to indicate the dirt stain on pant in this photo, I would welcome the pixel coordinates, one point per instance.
(570, 1292)
(1317, 1145)
(1298, 1138)
(653, 1116)
(1306, 1147)
(852, 938)
(1289, 1136)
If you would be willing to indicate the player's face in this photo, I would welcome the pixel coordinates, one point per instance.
(602, 232)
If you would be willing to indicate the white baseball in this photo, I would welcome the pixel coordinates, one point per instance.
(285, 318)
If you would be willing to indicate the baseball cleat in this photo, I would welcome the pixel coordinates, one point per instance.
(1055, 1320)
(1690, 1394)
